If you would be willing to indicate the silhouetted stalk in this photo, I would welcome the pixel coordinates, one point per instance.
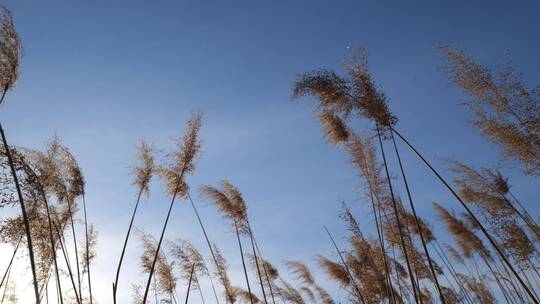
(353, 281)
(87, 250)
(212, 284)
(474, 218)
(189, 284)
(510, 279)
(537, 275)
(452, 271)
(53, 247)
(398, 281)
(201, 293)
(42, 288)
(499, 283)
(11, 261)
(49, 222)
(155, 293)
(528, 281)
(480, 276)
(7, 285)
(70, 211)
(389, 287)
(115, 284)
(396, 212)
(44, 291)
(413, 209)
(243, 261)
(265, 273)
(209, 245)
(23, 208)
(451, 284)
(67, 264)
(162, 235)
(256, 262)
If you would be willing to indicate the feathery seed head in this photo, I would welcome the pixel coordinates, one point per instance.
(10, 51)
(145, 168)
(335, 129)
(182, 160)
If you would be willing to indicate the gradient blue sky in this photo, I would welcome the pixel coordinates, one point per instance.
(104, 74)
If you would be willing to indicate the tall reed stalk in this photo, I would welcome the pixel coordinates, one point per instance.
(213, 254)
(188, 149)
(417, 297)
(418, 226)
(64, 251)
(23, 210)
(243, 262)
(143, 174)
(11, 260)
(41, 191)
(231, 204)
(87, 251)
(351, 277)
(189, 284)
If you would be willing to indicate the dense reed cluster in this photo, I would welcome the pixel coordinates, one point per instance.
(485, 252)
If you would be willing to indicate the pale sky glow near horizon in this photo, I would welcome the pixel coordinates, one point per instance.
(104, 74)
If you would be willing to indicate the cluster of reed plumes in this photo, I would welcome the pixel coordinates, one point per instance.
(492, 257)
(496, 256)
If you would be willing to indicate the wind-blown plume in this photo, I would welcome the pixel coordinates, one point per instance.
(181, 162)
(506, 111)
(467, 241)
(10, 52)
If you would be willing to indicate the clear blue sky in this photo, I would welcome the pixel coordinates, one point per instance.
(103, 74)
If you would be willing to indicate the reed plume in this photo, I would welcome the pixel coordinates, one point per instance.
(467, 241)
(89, 252)
(76, 185)
(270, 272)
(190, 263)
(479, 289)
(334, 270)
(10, 52)
(505, 110)
(356, 94)
(245, 296)
(290, 294)
(302, 273)
(335, 130)
(487, 190)
(230, 203)
(165, 279)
